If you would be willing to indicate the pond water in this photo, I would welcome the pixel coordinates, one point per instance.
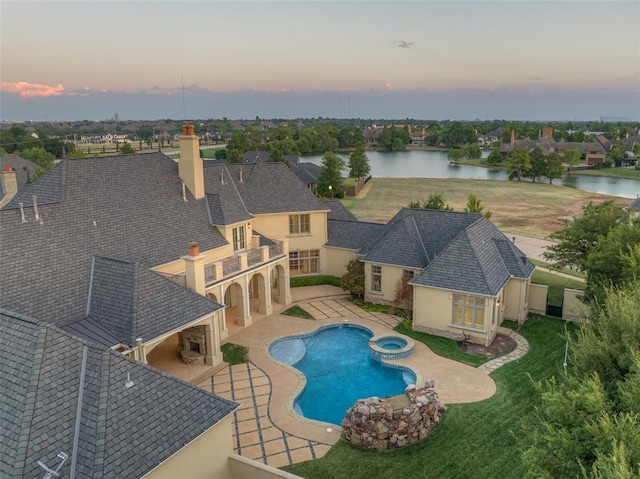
(434, 164)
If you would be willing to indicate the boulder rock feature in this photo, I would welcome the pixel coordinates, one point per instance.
(394, 422)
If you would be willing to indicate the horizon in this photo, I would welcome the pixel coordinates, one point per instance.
(461, 60)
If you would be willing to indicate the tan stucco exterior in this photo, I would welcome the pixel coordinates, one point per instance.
(204, 458)
(516, 299)
(538, 298)
(334, 261)
(573, 309)
(390, 276)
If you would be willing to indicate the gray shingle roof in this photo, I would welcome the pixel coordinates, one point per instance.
(129, 207)
(479, 260)
(338, 211)
(413, 237)
(350, 234)
(256, 155)
(226, 206)
(132, 302)
(635, 206)
(264, 187)
(50, 378)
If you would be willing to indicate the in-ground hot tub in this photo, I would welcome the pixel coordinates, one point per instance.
(390, 347)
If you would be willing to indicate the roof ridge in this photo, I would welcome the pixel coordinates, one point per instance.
(103, 408)
(134, 305)
(235, 188)
(30, 402)
(481, 265)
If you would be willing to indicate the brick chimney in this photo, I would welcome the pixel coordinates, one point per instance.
(8, 184)
(190, 167)
(194, 268)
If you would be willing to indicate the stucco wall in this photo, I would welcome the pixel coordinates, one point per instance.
(573, 309)
(335, 260)
(204, 458)
(243, 468)
(538, 298)
(515, 297)
(277, 226)
(390, 277)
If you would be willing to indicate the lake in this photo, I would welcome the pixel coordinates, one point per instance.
(434, 164)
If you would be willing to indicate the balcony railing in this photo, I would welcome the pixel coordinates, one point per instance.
(275, 250)
(209, 273)
(231, 266)
(254, 257)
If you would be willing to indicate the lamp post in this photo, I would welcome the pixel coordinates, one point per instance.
(331, 191)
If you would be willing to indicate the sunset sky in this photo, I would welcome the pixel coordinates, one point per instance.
(466, 60)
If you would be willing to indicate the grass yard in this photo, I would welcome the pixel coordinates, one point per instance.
(297, 312)
(572, 272)
(473, 441)
(556, 285)
(297, 281)
(234, 353)
(616, 172)
(527, 208)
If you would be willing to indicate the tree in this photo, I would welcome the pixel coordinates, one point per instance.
(330, 182)
(358, 162)
(456, 135)
(615, 260)
(519, 163)
(554, 167)
(454, 155)
(403, 297)
(474, 205)
(617, 154)
(578, 238)
(589, 417)
(238, 141)
(126, 149)
(472, 151)
(494, 157)
(40, 157)
(538, 164)
(353, 279)
(572, 158)
(435, 201)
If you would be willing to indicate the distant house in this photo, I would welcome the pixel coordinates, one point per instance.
(371, 134)
(418, 137)
(592, 152)
(15, 173)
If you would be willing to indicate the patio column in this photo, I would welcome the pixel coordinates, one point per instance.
(214, 355)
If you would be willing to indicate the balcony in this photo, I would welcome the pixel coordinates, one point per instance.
(180, 278)
(231, 265)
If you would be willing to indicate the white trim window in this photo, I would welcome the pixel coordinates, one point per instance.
(376, 278)
(468, 311)
(238, 238)
(299, 224)
(304, 262)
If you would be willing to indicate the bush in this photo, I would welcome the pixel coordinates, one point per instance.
(298, 281)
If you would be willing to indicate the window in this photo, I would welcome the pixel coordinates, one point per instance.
(238, 238)
(299, 224)
(468, 311)
(408, 274)
(303, 262)
(376, 278)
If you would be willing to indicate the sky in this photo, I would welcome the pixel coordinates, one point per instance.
(519, 60)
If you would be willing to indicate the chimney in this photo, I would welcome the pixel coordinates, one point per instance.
(9, 184)
(513, 136)
(190, 166)
(194, 268)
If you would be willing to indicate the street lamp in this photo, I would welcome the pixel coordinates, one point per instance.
(331, 191)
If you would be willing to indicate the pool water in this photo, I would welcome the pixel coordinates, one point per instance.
(339, 371)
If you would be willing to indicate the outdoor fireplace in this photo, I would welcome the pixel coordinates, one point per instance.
(193, 345)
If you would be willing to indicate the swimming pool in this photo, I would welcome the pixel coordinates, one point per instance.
(339, 370)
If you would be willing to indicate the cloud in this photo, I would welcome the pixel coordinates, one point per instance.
(388, 86)
(30, 90)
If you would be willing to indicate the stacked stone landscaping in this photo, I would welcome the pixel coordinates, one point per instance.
(394, 422)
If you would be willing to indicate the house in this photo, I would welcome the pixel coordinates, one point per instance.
(592, 152)
(467, 277)
(83, 410)
(305, 171)
(418, 137)
(15, 173)
(129, 259)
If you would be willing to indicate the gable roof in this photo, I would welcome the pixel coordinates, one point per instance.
(263, 187)
(60, 393)
(338, 211)
(129, 207)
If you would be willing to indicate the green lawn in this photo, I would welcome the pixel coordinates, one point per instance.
(444, 347)
(572, 272)
(298, 281)
(556, 285)
(616, 172)
(234, 354)
(297, 312)
(473, 441)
